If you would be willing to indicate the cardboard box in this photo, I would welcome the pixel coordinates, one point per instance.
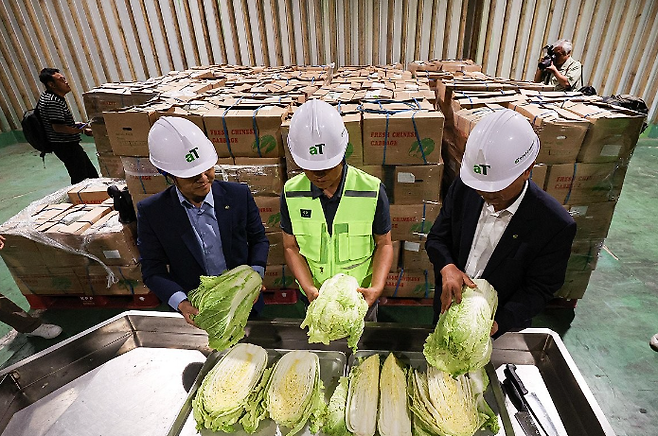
(142, 177)
(592, 219)
(110, 165)
(103, 99)
(414, 256)
(560, 132)
(584, 254)
(396, 134)
(412, 222)
(112, 242)
(270, 213)
(417, 183)
(101, 138)
(94, 280)
(42, 280)
(279, 277)
(275, 255)
(264, 176)
(410, 284)
(128, 130)
(20, 251)
(465, 120)
(92, 192)
(612, 135)
(538, 175)
(250, 132)
(586, 183)
(50, 212)
(575, 284)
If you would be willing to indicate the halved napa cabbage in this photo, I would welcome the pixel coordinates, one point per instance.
(227, 389)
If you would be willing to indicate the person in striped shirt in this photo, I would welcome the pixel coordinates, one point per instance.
(62, 131)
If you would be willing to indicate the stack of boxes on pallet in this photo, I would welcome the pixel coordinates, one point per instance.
(395, 133)
(63, 249)
(585, 149)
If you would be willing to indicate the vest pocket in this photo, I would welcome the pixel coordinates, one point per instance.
(309, 239)
(357, 243)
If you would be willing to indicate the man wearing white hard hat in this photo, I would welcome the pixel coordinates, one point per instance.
(335, 218)
(497, 224)
(199, 226)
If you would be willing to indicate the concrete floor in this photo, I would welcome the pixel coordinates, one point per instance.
(606, 334)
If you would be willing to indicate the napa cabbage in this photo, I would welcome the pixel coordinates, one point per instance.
(224, 304)
(338, 312)
(334, 424)
(228, 390)
(394, 418)
(461, 341)
(450, 406)
(363, 396)
(295, 394)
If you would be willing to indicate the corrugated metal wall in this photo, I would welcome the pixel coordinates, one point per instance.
(97, 41)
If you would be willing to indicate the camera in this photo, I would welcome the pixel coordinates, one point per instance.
(547, 60)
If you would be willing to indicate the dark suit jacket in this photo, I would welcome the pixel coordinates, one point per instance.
(527, 266)
(171, 256)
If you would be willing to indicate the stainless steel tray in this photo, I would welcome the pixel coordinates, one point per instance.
(493, 395)
(332, 367)
(44, 373)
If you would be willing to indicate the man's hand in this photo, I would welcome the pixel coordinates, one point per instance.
(370, 294)
(494, 328)
(187, 310)
(453, 279)
(311, 293)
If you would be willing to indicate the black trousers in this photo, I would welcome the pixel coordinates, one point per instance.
(75, 160)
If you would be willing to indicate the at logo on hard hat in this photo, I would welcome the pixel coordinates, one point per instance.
(316, 149)
(481, 169)
(192, 155)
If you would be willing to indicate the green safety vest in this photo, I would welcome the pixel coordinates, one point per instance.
(350, 246)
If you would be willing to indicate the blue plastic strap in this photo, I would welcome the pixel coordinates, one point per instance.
(573, 179)
(385, 140)
(397, 284)
(253, 120)
(420, 144)
(427, 285)
(228, 139)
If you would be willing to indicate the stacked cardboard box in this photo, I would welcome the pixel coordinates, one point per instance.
(56, 248)
(585, 149)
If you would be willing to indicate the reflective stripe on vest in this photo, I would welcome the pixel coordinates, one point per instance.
(350, 246)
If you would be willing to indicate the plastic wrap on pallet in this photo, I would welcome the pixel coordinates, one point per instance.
(264, 176)
(25, 224)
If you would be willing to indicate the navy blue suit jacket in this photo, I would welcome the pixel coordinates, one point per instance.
(527, 266)
(171, 256)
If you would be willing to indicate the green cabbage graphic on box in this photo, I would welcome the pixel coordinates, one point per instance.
(274, 219)
(267, 145)
(284, 281)
(349, 151)
(421, 227)
(427, 145)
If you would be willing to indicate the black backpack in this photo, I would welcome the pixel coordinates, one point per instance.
(35, 133)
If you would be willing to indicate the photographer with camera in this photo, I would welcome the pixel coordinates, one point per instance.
(559, 69)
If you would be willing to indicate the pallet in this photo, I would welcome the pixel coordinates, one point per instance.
(71, 301)
(280, 296)
(394, 301)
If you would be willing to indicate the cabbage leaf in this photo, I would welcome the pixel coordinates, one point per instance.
(363, 396)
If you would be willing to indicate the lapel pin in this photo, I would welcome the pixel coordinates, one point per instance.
(227, 207)
(515, 236)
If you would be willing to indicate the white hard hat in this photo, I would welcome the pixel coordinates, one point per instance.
(179, 147)
(499, 149)
(317, 138)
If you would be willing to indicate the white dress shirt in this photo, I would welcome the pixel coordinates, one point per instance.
(490, 228)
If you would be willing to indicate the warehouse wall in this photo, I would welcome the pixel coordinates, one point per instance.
(98, 41)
